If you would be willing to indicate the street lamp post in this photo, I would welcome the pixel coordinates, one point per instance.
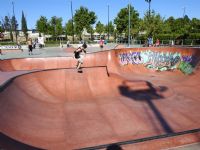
(108, 23)
(13, 8)
(129, 22)
(72, 23)
(149, 1)
(184, 11)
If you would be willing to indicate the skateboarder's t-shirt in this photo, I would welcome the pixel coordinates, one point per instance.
(77, 54)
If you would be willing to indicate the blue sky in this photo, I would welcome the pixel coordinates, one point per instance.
(33, 9)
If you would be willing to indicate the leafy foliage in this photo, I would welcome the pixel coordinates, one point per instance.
(99, 28)
(55, 26)
(1, 27)
(69, 28)
(91, 31)
(83, 18)
(7, 26)
(152, 24)
(111, 28)
(42, 25)
(14, 26)
(24, 25)
(122, 19)
(6, 23)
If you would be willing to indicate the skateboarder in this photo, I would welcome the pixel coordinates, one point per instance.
(78, 54)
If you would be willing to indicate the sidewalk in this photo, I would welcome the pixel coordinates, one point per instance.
(52, 51)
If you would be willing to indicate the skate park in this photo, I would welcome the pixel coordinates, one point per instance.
(107, 75)
(134, 97)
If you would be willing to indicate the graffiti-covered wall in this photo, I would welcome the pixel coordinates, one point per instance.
(160, 61)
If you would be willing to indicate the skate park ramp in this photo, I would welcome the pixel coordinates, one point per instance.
(122, 95)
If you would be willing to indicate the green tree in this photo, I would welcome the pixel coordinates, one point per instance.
(24, 25)
(122, 19)
(14, 26)
(153, 25)
(115, 33)
(111, 28)
(169, 23)
(83, 18)
(7, 26)
(1, 27)
(91, 31)
(42, 25)
(99, 28)
(55, 26)
(69, 28)
(182, 27)
(195, 25)
(6, 23)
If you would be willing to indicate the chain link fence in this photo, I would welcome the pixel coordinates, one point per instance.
(179, 42)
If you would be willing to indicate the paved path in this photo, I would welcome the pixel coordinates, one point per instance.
(51, 52)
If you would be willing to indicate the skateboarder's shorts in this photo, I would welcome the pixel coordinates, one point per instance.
(81, 59)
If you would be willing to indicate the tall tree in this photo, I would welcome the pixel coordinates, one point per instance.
(99, 28)
(195, 25)
(24, 26)
(7, 26)
(1, 27)
(83, 18)
(182, 27)
(111, 28)
(1, 30)
(122, 19)
(55, 26)
(170, 23)
(153, 25)
(14, 26)
(6, 23)
(69, 28)
(91, 31)
(42, 25)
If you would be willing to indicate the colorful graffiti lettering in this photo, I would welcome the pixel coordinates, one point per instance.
(130, 58)
(187, 59)
(185, 67)
(160, 61)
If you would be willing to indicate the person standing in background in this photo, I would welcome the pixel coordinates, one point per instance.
(30, 47)
(101, 42)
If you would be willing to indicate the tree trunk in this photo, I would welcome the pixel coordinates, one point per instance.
(11, 36)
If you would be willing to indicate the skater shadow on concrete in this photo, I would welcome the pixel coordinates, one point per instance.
(7, 143)
(145, 92)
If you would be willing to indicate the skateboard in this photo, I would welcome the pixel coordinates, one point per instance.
(80, 70)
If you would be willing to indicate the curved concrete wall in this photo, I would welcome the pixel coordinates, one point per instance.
(158, 59)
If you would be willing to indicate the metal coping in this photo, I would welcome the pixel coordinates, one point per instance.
(143, 139)
(6, 83)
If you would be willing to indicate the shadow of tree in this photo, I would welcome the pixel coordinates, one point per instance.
(148, 93)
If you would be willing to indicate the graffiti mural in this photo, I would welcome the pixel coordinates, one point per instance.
(130, 58)
(160, 61)
(185, 67)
